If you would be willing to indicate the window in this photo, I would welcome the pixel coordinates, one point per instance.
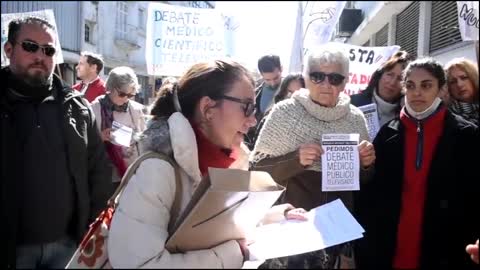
(381, 37)
(141, 18)
(121, 24)
(444, 25)
(87, 33)
(407, 29)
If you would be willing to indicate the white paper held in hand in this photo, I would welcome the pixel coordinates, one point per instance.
(327, 225)
(121, 134)
(340, 162)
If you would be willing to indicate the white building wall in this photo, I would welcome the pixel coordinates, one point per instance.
(466, 49)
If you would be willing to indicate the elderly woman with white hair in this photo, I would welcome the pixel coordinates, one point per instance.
(116, 110)
(289, 145)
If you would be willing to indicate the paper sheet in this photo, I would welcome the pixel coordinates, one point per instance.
(121, 134)
(340, 162)
(327, 225)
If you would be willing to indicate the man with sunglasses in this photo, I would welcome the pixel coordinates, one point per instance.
(54, 174)
(88, 68)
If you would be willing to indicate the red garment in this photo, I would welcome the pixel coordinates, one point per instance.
(409, 233)
(94, 89)
(211, 155)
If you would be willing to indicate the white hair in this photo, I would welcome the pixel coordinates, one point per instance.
(121, 77)
(327, 55)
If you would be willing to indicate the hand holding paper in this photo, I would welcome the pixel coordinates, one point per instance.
(328, 225)
(121, 134)
(367, 153)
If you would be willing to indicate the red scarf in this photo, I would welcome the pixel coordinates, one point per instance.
(211, 155)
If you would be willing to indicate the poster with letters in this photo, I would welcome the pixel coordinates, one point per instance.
(340, 162)
(178, 37)
(371, 116)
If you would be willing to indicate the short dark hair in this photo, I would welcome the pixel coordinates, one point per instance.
(213, 79)
(15, 25)
(94, 59)
(269, 63)
(429, 64)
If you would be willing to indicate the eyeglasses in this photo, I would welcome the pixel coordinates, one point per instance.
(122, 94)
(32, 47)
(249, 109)
(334, 79)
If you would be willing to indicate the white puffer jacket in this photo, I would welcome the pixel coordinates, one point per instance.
(139, 228)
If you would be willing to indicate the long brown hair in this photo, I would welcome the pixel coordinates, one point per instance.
(401, 57)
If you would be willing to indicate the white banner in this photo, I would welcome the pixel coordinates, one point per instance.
(363, 62)
(46, 14)
(468, 19)
(316, 22)
(178, 37)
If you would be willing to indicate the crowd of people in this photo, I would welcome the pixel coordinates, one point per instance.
(62, 157)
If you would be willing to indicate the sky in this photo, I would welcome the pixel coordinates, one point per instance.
(264, 28)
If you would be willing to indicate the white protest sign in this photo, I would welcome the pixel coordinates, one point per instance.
(468, 19)
(340, 162)
(178, 37)
(315, 24)
(363, 62)
(46, 14)
(371, 115)
(121, 134)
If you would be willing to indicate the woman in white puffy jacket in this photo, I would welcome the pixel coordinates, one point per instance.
(201, 122)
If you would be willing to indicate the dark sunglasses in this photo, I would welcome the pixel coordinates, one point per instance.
(122, 94)
(334, 79)
(249, 108)
(32, 47)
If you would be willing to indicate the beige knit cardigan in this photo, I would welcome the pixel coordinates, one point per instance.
(298, 120)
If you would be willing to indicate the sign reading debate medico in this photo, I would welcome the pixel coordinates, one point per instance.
(46, 14)
(371, 115)
(340, 162)
(363, 62)
(178, 37)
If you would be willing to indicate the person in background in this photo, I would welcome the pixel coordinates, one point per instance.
(384, 88)
(290, 84)
(289, 146)
(271, 71)
(54, 172)
(462, 78)
(118, 107)
(88, 69)
(425, 186)
(200, 122)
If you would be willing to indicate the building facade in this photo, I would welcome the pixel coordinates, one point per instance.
(423, 28)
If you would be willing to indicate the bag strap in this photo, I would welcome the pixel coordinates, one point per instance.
(175, 211)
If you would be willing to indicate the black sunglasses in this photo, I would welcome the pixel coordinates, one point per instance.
(122, 94)
(334, 79)
(249, 109)
(32, 47)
